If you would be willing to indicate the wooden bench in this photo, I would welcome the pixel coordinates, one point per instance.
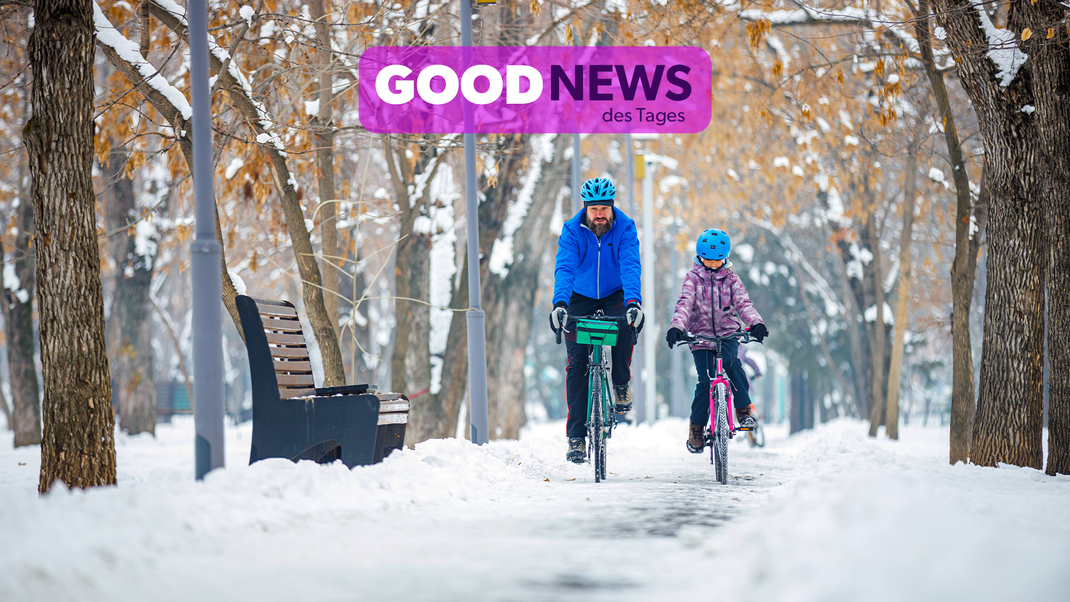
(294, 419)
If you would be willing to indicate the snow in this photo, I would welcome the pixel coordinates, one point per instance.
(940, 33)
(828, 514)
(145, 236)
(312, 107)
(781, 162)
(232, 169)
(239, 284)
(1002, 48)
(247, 13)
(1027, 109)
(871, 314)
(127, 50)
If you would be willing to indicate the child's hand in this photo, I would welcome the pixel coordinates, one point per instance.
(758, 332)
(673, 337)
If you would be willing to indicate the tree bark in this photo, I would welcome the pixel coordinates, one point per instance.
(323, 133)
(131, 323)
(902, 302)
(878, 343)
(18, 319)
(1007, 426)
(1051, 84)
(964, 267)
(78, 446)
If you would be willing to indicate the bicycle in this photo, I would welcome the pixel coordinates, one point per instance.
(722, 427)
(597, 331)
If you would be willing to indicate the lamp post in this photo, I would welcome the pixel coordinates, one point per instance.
(477, 327)
(205, 274)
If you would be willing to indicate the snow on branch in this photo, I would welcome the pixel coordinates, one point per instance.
(805, 15)
(1002, 48)
(128, 51)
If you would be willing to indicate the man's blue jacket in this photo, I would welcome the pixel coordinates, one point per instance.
(598, 268)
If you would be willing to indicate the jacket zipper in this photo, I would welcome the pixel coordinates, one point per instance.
(598, 271)
(598, 264)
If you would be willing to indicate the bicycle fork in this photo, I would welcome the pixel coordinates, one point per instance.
(719, 377)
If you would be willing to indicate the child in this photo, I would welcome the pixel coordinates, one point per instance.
(710, 298)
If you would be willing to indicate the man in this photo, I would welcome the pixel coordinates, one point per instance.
(597, 269)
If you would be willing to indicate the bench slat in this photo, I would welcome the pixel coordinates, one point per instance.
(293, 366)
(281, 324)
(290, 352)
(402, 406)
(278, 338)
(294, 379)
(265, 305)
(287, 393)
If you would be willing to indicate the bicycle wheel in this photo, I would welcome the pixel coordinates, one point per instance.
(720, 437)
(757, 437)
(594, 428)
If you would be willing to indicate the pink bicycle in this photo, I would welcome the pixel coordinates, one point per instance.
(722, 422)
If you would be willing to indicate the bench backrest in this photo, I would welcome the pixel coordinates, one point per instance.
(277, 322)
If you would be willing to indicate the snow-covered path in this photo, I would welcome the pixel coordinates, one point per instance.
(825, 515)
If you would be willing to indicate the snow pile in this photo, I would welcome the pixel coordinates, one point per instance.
(876, 520)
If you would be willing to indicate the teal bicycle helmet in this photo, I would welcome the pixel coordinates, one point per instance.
(598, 191)
(713, 244)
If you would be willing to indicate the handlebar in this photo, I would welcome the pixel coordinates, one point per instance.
(743, 336)
(623, 320)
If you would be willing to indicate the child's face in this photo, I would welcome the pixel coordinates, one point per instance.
(713, 264)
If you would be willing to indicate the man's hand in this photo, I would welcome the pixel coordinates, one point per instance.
(634, 316)
(758, 332)
(673, 337)
(558, 317)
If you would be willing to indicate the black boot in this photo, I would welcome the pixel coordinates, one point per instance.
(624, 399)
(577, 450)
(696, 439)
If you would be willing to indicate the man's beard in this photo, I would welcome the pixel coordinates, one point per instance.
(600, 228)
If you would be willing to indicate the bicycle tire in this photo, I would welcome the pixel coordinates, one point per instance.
(757, 437)
(720, 438)
(594, 430)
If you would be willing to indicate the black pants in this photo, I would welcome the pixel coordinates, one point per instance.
(576, 376)
(706, 365)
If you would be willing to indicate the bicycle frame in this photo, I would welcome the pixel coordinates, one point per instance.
(721, 377)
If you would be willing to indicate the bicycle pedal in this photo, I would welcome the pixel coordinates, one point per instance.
(745, 428)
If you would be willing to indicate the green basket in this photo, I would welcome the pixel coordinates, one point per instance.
(596, 332)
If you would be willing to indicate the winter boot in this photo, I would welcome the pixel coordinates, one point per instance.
(745, 418)
(624, 399)
(696, 439)
(577, 450)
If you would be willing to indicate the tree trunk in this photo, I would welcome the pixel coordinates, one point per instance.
(895, 371)
(78, 446)
(1009, 404)
(964, 267)
(18, 319)
(878, 337)
(1051, 78)
(509, 299)
(131, 322)
(323, 130)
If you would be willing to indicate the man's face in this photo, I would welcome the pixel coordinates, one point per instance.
(599, 215)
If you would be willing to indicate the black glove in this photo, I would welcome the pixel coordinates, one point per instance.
(558, 317)
(758, 332)
(673, 337)
(634, 315)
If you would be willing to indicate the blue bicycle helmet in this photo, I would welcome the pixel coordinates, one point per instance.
(713, 244)
(598, 191)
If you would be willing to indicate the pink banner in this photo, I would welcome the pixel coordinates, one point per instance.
(553, 89)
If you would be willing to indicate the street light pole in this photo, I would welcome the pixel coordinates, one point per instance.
(206, 276)
(477, 326)
(649, 342)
